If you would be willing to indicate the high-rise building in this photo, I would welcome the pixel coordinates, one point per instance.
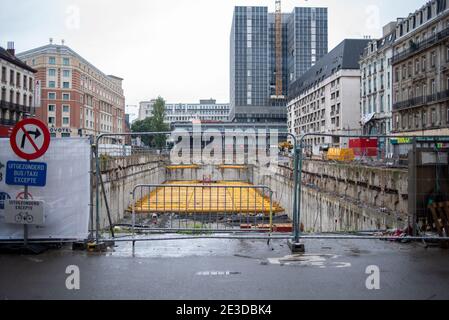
(253, 55)
(77, 98)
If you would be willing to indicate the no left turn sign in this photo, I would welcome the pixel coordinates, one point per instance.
(30, 139)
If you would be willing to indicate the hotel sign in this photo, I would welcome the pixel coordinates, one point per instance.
(37, 93)
(60, 130)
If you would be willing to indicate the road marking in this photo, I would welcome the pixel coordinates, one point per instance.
(321, 261)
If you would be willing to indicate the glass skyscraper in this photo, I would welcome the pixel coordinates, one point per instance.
(253, 58)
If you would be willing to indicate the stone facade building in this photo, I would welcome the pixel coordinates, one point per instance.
(17, 90)
(421, 72)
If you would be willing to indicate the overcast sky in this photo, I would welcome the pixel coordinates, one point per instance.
(178, 49)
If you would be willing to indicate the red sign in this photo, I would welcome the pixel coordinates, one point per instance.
(30, 139)
(21, 196)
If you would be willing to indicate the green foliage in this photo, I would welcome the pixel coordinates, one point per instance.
(155, 123)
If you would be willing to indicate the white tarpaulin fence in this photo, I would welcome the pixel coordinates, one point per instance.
(66, 194)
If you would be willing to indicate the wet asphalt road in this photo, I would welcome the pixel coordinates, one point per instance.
(231, 270)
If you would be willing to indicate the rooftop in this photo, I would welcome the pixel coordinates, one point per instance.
(343, 57)
(5, 55)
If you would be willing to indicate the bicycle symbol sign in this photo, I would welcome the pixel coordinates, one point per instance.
(27, 212)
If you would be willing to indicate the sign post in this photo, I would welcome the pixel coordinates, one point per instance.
(29, 140)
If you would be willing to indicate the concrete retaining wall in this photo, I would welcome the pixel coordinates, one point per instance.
(121, 175)
(210, 172)
(338, 197)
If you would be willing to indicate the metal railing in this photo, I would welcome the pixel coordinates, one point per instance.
(202, 209)
(421, 100)
(420, 46)
(295, 208)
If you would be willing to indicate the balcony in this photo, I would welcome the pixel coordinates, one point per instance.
(419, 47)
(422, 100)
(7, 122)
(14, 107)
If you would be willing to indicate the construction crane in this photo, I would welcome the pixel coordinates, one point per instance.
(278, 31)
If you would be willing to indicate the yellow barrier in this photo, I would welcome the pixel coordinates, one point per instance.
(202, 199)
(338, 154)
(181, 167)
(226, 166)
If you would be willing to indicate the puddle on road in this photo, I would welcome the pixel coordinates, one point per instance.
(255, 249)
(321, 261)
(217, 273)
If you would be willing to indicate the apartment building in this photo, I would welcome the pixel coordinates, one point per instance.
(146, 109)
(326, 99)
(421, 72)
(376, 87)
(17, 90)
(77, 98)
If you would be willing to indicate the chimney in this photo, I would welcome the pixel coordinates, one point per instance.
(10, 48)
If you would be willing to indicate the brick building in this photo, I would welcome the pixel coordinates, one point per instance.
(77, 99)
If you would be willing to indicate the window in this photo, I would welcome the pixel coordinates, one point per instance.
(433, 59)
(65, 108)
(66, 61)
(424, 119)
(4, 74)
(51, 96)
(51, 120)
(51, 84)
(51, 108)
(51, 72)
(52, 60)
(65, 135)
(65, 121)
(11, 77)
(423, 63)
(66, 96)
(66, 85)
(433, 117)
(66, 73)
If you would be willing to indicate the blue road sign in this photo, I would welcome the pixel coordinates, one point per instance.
(31, 174)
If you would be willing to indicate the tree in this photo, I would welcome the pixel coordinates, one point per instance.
(155, 123)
